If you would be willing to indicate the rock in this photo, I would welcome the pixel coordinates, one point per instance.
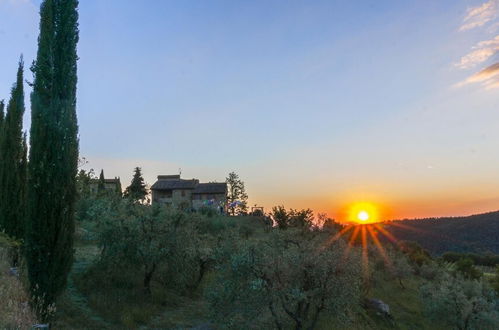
(378, 306)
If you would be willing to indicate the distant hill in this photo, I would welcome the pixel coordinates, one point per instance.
(476, 233)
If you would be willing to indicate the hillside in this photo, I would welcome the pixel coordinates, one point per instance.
(477, 233)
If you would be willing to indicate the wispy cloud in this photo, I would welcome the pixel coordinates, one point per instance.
(480, 53)
(480, 15)
(488, 77)
(483, 16)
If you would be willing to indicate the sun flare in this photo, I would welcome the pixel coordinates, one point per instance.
(363, 216)
(363, 212)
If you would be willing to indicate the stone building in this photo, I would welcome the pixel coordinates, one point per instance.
(189, 194)
(111, 185)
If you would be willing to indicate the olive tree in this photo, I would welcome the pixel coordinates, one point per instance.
(460, 303)
(287, 279)
(147, 237)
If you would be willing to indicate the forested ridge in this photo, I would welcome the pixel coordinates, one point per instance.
(476, 233)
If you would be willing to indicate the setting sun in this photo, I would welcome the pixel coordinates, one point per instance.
(363, 212)
(363, 216)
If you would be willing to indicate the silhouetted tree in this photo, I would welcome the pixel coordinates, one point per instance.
(101, 187)
(280, 216)
(292, 218)
(236, 196)
(137, 189)
(53, 154)
(119, 192)
(2, 115)
(12, 162)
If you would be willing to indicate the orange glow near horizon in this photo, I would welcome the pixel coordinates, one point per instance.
(363, 213)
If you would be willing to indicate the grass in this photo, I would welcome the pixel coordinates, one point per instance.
(15, 312)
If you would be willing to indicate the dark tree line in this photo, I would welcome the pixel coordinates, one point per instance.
(472, 234)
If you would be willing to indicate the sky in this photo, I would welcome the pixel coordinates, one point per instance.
(315, 104)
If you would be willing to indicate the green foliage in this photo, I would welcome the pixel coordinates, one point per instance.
(460, 303)
(416, 254)
(149, 239)
(13, 162)
(292, 218)
(494, 282)
(236, 195)
(137, 191)
(478, 259)
(283, 280)
(83, 180)
(328, 224)
(53, 158)
(400, 268)
(467, 269)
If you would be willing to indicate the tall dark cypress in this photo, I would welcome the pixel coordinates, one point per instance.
(2, 115)
(53, 154)
(101, 185)
(2, 106)
(11, 178)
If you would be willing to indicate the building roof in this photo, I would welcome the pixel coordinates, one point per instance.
(174, 184)
(116, 180)
(210, 188)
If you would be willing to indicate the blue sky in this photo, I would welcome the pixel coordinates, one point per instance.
(314, 103)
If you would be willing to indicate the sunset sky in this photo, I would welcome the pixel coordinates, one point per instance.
(315, 104)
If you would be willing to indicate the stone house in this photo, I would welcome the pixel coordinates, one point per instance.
(111, 185)
(189, 193)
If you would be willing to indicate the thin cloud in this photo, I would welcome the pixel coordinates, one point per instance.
(480, 15)
(488, 77)
(481, 53)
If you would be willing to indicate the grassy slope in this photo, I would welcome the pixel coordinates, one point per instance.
(99, 307)
(14, 309)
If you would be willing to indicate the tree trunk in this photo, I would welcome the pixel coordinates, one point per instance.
(147, 279)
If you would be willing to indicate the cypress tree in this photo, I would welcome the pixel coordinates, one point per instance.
(53, 154)
(119, 192)
(137, 189)
(2, 106)
(101, 186)
(11, 176)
